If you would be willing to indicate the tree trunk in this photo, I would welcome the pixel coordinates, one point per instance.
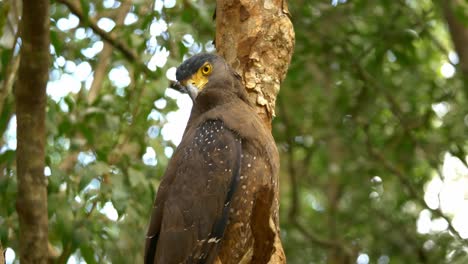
(30, 94)
(459, 34)
(2, 254)
(257, 39)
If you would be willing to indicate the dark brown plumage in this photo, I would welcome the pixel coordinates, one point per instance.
(218, 200)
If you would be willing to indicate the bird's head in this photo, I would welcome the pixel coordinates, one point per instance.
(201, 71)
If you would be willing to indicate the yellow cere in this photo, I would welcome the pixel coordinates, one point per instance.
(200, 78)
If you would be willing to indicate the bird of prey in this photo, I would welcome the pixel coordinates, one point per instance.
(218, 199)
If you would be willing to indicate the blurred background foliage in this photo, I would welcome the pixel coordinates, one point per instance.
(372, 128)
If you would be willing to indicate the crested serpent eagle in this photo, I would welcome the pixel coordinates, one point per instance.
(218, 199)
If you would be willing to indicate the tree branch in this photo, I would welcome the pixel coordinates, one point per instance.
(112, 39)
(2, 254)
(459, 34)
(412, 191)
(294, 212)
(11, 71)
(330, 244)
(104, 57)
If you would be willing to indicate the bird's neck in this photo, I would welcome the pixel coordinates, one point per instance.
(210, 99)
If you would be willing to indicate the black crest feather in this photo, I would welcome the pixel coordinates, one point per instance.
(191, 65)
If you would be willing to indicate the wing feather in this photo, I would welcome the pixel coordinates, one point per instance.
(192, 208)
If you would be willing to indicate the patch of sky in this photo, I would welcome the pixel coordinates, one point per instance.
(92, 51)
(152, 44)
(196, 48)
(64, 143)
(160, 103)
(106, 24)
(54, 75)
(119, 76)
(453, 57)
(89, 82)
(169, 3)
(60, 61)
(83, 71)
(362, 259)
(158, 27)
(130, 19)
(159, 58)
(447, 193)
(160, 4)
(60, 88)
(78, 199)
(177, 120)
(391, 56)
(110, 4)
(168, 151)
(81, 33)
(188, 40)
(383, 260)
(376, 180)
(337, 2)
(110, 211)
(85, 158)
(447, 70)
(92, 9)
(441, 109)
(153, 132)
(94, 184)
(171, 73)
(10, 136)
(149, 158)
(70, 66)
(18, 46)
(209, 46)
(10, 256)
(314, 203)
(47, 171)
(68, 23)
(155, 115)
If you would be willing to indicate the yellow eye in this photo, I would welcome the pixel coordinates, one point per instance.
(206, 69)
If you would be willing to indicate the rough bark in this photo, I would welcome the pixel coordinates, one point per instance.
(2, 254)
(257, 39)
(30, 94)
(459, 35)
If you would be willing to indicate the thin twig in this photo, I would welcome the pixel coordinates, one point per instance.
(128, 53)
(412, 191)
(295, 201)
(11, 71)
(104, 56)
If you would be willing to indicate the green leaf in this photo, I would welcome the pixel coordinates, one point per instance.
(87, 252)
(136, 177)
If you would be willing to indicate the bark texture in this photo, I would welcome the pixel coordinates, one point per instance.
(2, 254)
(458, 32)
(257, 39)
(30, 94)
(459, 35)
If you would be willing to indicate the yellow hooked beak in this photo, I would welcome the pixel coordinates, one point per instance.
(197, 81)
